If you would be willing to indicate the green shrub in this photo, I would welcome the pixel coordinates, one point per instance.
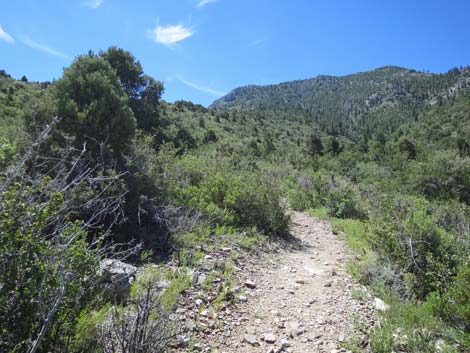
(40, 270)
(235, 198)
(454, 303)
(411, 327)
(443, 175)
(343, 199)
(409, 237)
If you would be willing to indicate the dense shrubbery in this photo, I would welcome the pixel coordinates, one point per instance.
(52, 228)
(229, 196)
(411, 238)
(341, 197)
(174, 176)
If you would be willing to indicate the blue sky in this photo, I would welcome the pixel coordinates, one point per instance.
(202, 49)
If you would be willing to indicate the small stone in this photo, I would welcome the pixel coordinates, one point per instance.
(201, 279)
(380, 304)
(440, 345)
(250, 284)
(180, 342)
(251, 340)
(269, 338)
(199, 302)
(327, 284)
(293, 329)
(285, 343)
(243, 299)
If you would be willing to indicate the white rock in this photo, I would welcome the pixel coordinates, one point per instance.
(116, 278)
(285, 343)
(269, 338)
(380, 305)
(250, 284)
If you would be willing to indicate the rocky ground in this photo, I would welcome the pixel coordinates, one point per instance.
(297, 299)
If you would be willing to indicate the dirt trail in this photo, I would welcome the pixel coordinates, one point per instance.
(300, 300)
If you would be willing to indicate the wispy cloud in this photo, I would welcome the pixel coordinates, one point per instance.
(93, 4)
(200, 88)
(42, 47)
(202, 3)
(5, 36)
(257, 42)
(170, 35)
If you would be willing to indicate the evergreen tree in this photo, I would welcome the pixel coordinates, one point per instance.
(314, 145)
(93, 107)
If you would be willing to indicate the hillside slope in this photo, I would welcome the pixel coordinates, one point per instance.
(352, 104)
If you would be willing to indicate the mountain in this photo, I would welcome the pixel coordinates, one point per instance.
(354, 104)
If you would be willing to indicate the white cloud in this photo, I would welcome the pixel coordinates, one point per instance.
(93, 4)
(42, 47)
(198, 87)
(202, 3)
(169, 35)
(5, 36)
(257, 42)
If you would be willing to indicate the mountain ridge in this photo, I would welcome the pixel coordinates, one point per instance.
(348, 105)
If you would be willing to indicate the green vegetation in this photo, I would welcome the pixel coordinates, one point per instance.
(384, 154)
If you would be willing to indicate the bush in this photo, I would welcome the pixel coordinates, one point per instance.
(343, 199)
(444, 175)
(230, 197)
(409, 237)
(143, 324)
(454, 303)
(411, 327)
(47, 271)
(93, 106)
(50, 246)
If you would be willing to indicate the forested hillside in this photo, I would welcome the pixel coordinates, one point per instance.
(96, 166)
(354, 105)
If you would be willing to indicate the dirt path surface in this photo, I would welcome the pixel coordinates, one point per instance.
(299, 299)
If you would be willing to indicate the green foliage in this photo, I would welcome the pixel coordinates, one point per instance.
(7, 153)
(314, 145)
(240, 199)
(93, 107)
(383, 153)
(210, 136)
(412, 239)
(407, 147)
(412, 327)
(343, 200)
(38, 270)
(453, 304)
(444, 174)
(351, 105)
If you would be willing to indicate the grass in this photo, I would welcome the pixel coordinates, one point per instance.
(408, 325)
(320, 212)
(170, 296)
(413, 327)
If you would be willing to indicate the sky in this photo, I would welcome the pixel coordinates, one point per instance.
(202, 49)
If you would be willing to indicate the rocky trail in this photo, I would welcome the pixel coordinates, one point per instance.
(299, 299)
